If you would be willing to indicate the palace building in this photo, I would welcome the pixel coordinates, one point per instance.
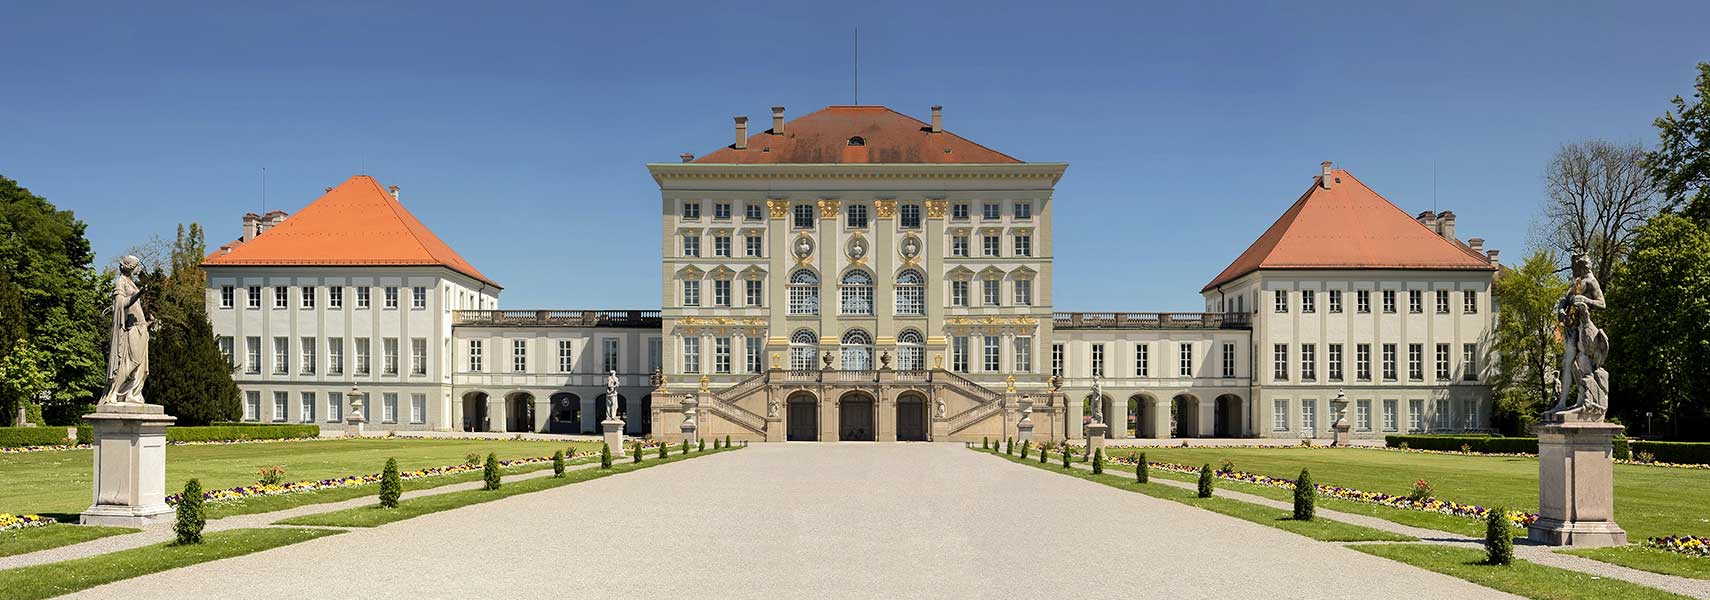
(859, 274)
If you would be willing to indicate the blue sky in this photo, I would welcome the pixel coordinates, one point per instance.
(519, 132)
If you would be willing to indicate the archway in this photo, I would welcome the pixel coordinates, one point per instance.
(803, 418)
(475, 412)
(911, 418)
(519, 412)
(566, 413)
(1228, 416)
(1184, 416)
(1140, 412)
(855, 418)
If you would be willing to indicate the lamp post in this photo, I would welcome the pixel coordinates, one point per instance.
(1648, 424)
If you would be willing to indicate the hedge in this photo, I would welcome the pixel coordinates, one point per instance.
(1482, 444)
(47, 435)
(224, 433)
(1674, 452)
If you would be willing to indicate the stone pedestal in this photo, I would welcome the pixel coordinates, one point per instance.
(613, 430)
(130, 466)
(1576, 486)
(1024, 430)
(1339, 432)
(1095, 436)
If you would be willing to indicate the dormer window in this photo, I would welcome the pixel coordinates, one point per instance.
(857, 141)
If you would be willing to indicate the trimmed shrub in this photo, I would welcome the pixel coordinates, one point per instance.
(490, 472)
(715, 443)
(191, 518)
(701, 444)
(1481, 444)
(1043, 453)
(635, 456)
(1498, 537)
(1065, 457)
(727, 440)
(1305, 497)
(1622, 450)
(558, 463)
(392, 486)
(605, 456)
(665, 452)
(1674, 452)
(985, 443)
(1098, 462)
(1142, 471)
(1009, 446)
(18, 437)
(1024, 444)
(1205, 481)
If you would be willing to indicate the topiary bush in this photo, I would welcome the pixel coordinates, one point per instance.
(985, 443)
(1498, 537)
(715, 443)
(1205, 481)
(664, 452)
(635, 455)
(558, 463)
(1009, 446)
(1305, 497)
(1065, 457)
(1142, 471)
(727, 440)
(191, 518)
(701, 445)
(392, 486)
(1622, 450)
(605, 456)
(490, 472)
(685, 448)
(1043, 453)
(1024, 444)
(1098, 462)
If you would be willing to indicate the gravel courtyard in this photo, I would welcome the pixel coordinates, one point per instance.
(814, 520)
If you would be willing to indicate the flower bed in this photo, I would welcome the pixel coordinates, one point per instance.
(1685, 544)
(9, 522)
(311, 485)
(1471, 511)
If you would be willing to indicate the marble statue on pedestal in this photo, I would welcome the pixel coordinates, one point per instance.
(611, 395)
(127, 354)
(1584, 348)
(128, 434)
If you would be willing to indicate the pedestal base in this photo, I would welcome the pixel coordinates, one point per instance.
(130, 465)
(1024, 431)
(1576, 486)
(613, 431)
(1095, 437)
(1339, 435)
(689, 434)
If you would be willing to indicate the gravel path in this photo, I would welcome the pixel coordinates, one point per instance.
(813, 520)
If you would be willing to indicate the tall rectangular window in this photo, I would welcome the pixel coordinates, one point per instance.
(1442, 302)
(1469, 304)
(1362, 415)
(335, 407)
(308, 355)
(1023, 244)
(751, 246)
(609, 352)
(389, 407)
(418, 297)
(252, 405)
(1469, 362)
(993, 354)
(363, 300)
(753, 294)
(281, 297)
(1363, 362)
(721, 355)
(1279, 362)
(1443, 420)
(801, 216)
(1415, 302)
(418, 408)
(691, 245)
(252, 296)
(959, 353)
(721, 246)
(691, 292)
(1335, 301)
(306, 412)
(1389, 301)
(1057, 360)
(1415, 416)
(856, 216)
(1279, 415)
(391, 298)
(1416, 362)
(804, 293)
(335, 356)
(1389, 372)
(475, 362)
(306, 296)
(1098, 360)
(418, 356)
(655, 355)
(281, 406)
(959, 293)
(1308, 301)
(1281, 301)
(1186, 359)
(991, 291)
(1363, 301)
(721, 292)
(1442, 362)
(228, 296)
(335, 297)
(1228, 360)
(691, 354)
(519, 356)
(1389, 416)
(1142, 361)
(228, 349)
(1335, 362)
(281, 355)
(1309, 362)
(908, 216)
(959, 246)
(1023, 354)
(990, 245)
(754, 357)
(1309, 417)
(1024, 292)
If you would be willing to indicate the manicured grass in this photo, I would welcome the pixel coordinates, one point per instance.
(58, 483)
(1318, 529)
(1522, 578)
(31, 539)
(1649, 501)
(263, 504)
(1649, 559)
(54, 579)
(374, 516)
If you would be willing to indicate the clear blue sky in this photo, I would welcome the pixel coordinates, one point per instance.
(519, 134)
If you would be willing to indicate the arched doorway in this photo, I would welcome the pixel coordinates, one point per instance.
(803, 418)
(566, 413)
(642, 424)
(475, 412)
(1139, 414)
(855, 418)
(1184, 416)
(1228, 416)
(911, 418)
(519, 412)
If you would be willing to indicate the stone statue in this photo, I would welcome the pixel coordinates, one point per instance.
(772, 408)
(1584, 348)
(938, 410)
(127, 356)
(611, 395)
(1097, 400)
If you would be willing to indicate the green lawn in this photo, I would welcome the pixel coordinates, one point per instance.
(1649, 559)
(1649, 501)
(58, 483)
(56, 579)
(1521, 578)
(31, 539)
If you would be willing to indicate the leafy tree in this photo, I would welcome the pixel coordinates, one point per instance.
(23, 372)
(1681, 163)
(1598, 194)
(1305, 495)
(1659, 327)
(191, 518)
(187, 372)
(51, 295)
(392, 486)
(1525, 347)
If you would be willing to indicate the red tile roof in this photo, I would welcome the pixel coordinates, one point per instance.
(888, 136)
(1349, 226)
(357, 223)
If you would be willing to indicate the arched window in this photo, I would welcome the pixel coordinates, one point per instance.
(911, 353)
(804, 344)
(804, 293)
(857, 351)
(911, 293)
(857, 141)
(857, 293)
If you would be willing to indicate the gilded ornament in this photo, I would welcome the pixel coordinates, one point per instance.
(935, 208)
(778, 208)
(885, 209)
(705, 384)
(828, 209)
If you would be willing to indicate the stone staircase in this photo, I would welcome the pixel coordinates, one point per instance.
(987, 403)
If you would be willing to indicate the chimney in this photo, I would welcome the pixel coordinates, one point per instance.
(1446, 224)
(251, 226)
(1494, 261)
(394, 190)
(1324, 177)
(741, 133)
(777, 120)
(687, 157)
(267, 221)
(1428, 219)
(937, 119)
(1477, 245)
